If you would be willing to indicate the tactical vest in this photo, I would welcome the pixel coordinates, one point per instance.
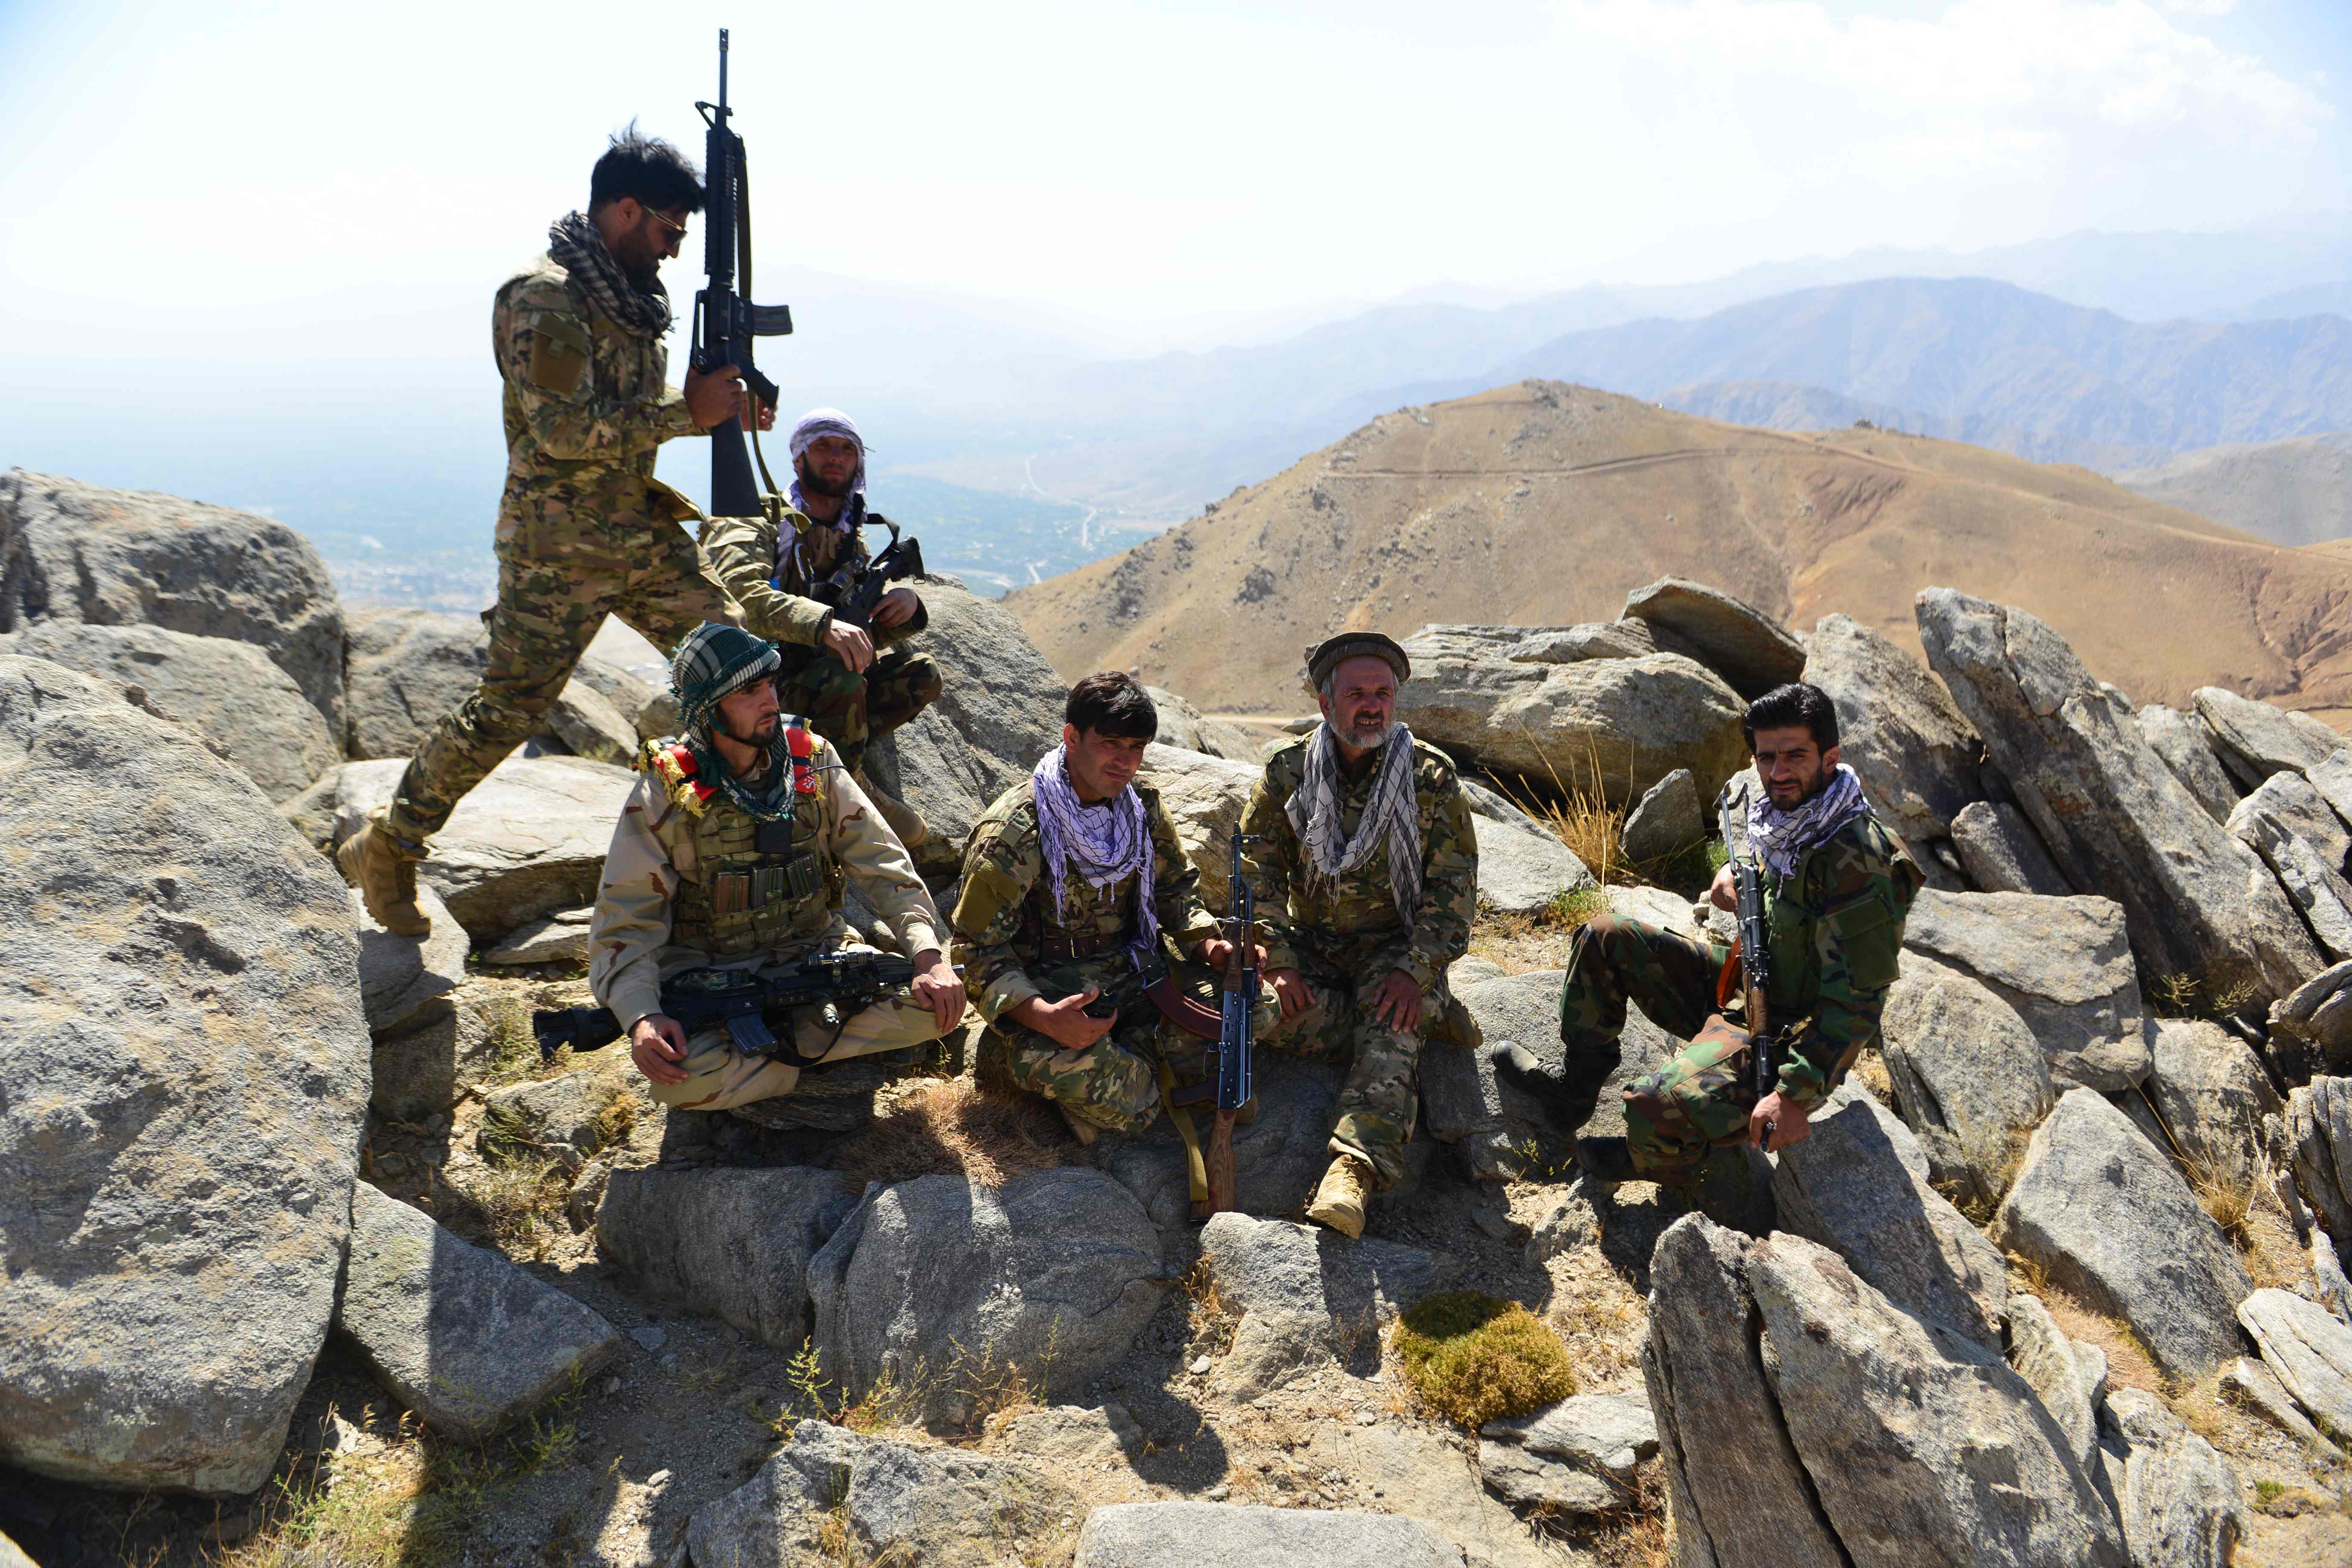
(753, 885)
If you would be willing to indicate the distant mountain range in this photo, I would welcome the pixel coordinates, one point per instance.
(2291, 492)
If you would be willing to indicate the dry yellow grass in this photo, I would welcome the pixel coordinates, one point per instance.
(951, 1127)
(1471, 1358)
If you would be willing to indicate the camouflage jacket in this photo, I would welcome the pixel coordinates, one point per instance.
(774, 594)
(583, 396)
(1361, 912)
(1006, 909)
(1837, 928)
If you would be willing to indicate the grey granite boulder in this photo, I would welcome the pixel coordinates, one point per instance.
(424, 1064)
(399, 974)
(247, 708)
(2250, 1385)
(2269, 823)
(590, 726)
(1203, 795)
(2045, 1359)
(187, 1072)
(2196, 901)
(1050, 1276)
(1308, 1296)
(2179, 1500)
(559, 938)
(2187, 747)
(73, 551)
(1587, 639)
(2331, 779)
(1186, 727)
(2001, 853)
(1967, 1072)
(2255, 739)
(573, 1111)
(2213, 1095)
(1859, 1185)
(2115, 1224)
(1668, 819)
(2318, 1014)
(2065, 966)
(923, 1504)
(1899, 728)
(1521, 869)
(1737, 641)
(529, 839)
(408, 668)
(2295, 805)
(1193, 1535)
(2309, 1350)
(1579, 1455)
(735, 1244)
(457, 1333)
(2319, 1146)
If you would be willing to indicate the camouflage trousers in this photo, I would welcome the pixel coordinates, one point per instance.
(851, 709)
(719, 1077)
(1113, 1084)
(568, 556)
(1378, 1099)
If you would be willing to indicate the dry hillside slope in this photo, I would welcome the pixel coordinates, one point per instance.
(1542, 503)
(2295, 492)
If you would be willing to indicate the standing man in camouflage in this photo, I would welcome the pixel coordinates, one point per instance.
(585, 529)
(1070, 881)
(1838, 887)
(1367, 872)
(733, 851)
(834, 673)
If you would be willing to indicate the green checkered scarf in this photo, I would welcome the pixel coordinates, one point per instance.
(713, 662)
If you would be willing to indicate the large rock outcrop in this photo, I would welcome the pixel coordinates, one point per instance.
(1308, 1296)
(1967, 1071)
(228, 691)
(1732, 637)
(1203, 795)
(734, 1243)
(2178, 1499)
(408, 668)
(2254, 740)
(2318, 1134)
(1899, 728)
(2211, 1090)
(2187, 747)
(930, 1280)
(2063, 965)
(2114, 817)
(72, 551)
(1618, 724)
(187, 1072)
(2001, 853)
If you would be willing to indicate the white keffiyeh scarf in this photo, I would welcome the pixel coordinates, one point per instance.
(1781, 837)
(1392, 816)
(1105, 844)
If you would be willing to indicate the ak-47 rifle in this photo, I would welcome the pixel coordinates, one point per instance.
(743, 999)
(1237, 996)
(855, 587)
(1755, 962)
(725, 322)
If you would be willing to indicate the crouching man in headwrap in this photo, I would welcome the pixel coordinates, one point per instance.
(1070, 881)
(838, 676)
(732, 852)
(1838, 887)
(1367, 876)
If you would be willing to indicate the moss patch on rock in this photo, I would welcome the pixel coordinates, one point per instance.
(1473, 1358)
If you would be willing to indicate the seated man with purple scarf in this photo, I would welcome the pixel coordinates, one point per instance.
(1838, 887)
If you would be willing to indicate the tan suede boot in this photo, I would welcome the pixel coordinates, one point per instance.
(1340, 1197)
(384, 871)
(1456, 1025)
(904, 820)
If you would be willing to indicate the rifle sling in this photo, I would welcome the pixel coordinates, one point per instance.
(1196, 1169)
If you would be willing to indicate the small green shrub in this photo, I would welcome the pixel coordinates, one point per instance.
(1473, 1358)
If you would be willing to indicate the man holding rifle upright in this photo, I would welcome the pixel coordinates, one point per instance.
(1836, 890)
(732, 852)
(585, 529)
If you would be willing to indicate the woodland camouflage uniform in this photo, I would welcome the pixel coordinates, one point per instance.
(1345, 938)
(585, 529)
(1837, 927)
(847, 708)
(1014, 944)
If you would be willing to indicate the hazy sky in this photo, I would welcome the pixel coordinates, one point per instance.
(1153, 171)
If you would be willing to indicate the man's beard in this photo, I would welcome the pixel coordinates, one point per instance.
(815, 484)
(640, 259)
(763, 735)
(1355, 735)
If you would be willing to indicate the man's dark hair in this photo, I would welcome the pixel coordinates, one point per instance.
(1785, 707)
(649, 169)
(1112, 703)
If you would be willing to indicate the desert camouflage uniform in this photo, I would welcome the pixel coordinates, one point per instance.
(585, 529)
(1004, 921)
(1837, 926)
(844, 706)
(661, 908)
(1346, 938)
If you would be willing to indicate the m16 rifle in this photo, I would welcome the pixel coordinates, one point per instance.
(744, 1000)
(1237, 999)
(1755, 962)
(855, 587)
(725, 322)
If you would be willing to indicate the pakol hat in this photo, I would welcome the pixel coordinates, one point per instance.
(1332, 652)
(713, 662)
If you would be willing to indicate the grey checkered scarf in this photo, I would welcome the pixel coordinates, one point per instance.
(1105, 844)
(580, 249)
(1392, 816)
(1781, 837)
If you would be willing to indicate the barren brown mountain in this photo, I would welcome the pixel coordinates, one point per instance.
(1542, 503)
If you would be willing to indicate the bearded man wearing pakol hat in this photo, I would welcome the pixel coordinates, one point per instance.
(1366, 871)
(851, 685)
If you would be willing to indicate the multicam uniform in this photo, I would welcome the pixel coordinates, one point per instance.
(687, 887)
(585, 529)
(1345, 938)
(844, 706)
(1014, 944)
(1837, 926)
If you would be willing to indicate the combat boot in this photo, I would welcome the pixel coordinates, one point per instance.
(1340, 1197)
(1456, 1025)
(1608, 1159)
(384, 869)
(904, 820)
(1084, 1130)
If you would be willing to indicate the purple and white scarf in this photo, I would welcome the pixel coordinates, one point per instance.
(1105, 844)
(816, 423)
(1391, 817)
(1781, 837)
